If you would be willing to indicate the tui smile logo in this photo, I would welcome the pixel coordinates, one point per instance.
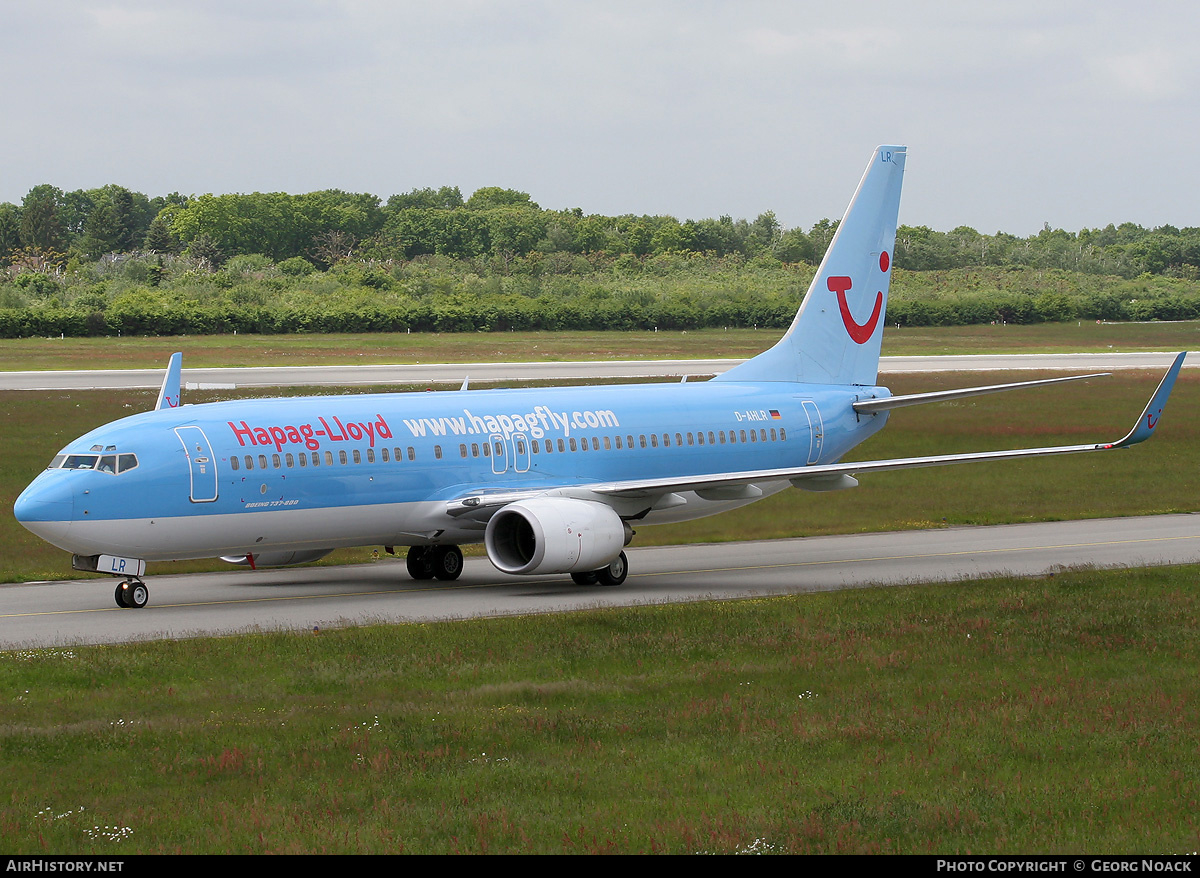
(841, 284)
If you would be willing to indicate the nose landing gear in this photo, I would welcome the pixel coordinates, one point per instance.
(132, 594)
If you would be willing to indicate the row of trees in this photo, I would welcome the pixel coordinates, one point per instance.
(50, 228)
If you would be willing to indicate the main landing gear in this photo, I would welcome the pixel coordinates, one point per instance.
(446, 563)
(440, 562)
(132, 594)
(613, 574)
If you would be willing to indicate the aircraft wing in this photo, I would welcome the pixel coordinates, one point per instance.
(814, 478)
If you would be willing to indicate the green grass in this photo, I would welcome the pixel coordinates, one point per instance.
(1023, 716)
(390, 348)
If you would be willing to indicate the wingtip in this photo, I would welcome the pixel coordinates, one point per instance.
(1151, 415)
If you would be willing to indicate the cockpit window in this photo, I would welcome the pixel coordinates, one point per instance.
(105, 463)
(80, 461)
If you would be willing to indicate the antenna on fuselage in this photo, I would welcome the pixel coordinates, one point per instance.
(168, 396)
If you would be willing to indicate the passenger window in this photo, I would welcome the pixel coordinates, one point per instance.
(329, 458)
(233, 463)
(249, 462)
(357, 455)
(289, 460)
(437, 452)
(275, 462)
(342, 458)
(412, 453)
(462, 450)
(384, 453)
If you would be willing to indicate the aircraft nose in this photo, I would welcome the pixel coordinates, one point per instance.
(46, 508)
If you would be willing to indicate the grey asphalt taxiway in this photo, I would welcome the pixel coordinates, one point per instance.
(484, 373)
(302, 599)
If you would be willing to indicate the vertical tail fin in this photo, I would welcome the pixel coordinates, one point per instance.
(168, 394)
(836, 334)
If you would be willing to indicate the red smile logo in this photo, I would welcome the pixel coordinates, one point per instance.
(859, 332)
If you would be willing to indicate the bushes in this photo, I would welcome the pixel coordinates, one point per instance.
(439, 294)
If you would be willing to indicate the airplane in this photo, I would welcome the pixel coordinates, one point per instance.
(552, 480)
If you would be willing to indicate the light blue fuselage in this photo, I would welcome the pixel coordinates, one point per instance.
(378, 469)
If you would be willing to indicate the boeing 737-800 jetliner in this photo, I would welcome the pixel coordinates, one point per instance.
(551, 480)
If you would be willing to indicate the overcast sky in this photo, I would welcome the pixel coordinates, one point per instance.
(1015, 113)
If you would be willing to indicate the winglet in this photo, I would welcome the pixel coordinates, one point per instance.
(168, 396)
(1150, 416)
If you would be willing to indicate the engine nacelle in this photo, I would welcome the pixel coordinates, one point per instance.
(555, 535)
(276, 559)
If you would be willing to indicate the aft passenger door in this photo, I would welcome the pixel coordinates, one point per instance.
(816, 431)
(201, 464)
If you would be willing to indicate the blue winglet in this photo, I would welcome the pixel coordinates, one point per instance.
(168, 396)
(1150, 416)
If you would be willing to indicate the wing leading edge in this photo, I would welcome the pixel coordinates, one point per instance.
(818, 478)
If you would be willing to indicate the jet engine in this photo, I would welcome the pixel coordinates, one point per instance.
(276, 559)
(555, 535)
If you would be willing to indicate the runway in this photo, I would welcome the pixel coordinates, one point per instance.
(83, 611)
(483, 373)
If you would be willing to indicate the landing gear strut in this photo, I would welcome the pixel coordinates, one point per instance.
(428, 562)
(132, 594)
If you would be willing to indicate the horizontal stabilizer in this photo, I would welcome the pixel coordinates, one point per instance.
(887, 403)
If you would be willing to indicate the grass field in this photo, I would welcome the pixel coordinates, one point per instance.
(1002, 716)
(387, 348)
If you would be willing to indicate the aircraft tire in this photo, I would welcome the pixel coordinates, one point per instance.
(420, 562)
(447, 563)
(614, 573)
(132, 594)
(591, 577)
